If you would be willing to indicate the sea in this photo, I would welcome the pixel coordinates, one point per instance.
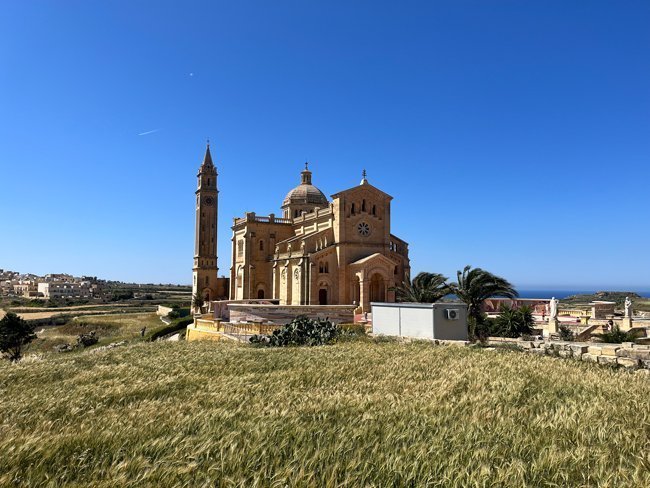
(560, 294)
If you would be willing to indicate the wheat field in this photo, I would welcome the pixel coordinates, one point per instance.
(365, 413)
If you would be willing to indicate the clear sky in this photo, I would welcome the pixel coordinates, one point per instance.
(513, 135)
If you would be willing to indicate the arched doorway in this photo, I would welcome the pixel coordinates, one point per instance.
(377, 288)
(322, 296)
(260, 294)
(207, 295)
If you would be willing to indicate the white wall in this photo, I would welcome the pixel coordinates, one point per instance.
(419, 320)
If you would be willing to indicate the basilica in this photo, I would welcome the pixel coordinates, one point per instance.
(319, 252)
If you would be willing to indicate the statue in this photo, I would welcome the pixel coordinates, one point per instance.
(628, 307)
(553, 308)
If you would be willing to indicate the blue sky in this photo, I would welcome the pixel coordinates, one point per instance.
(513, 135)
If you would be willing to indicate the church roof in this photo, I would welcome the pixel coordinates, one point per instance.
(305, 193)
(207, 160)
(364, 185)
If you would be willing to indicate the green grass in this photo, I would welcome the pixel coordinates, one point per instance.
(358, 413)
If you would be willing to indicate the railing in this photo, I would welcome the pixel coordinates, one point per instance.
(262, 220)
(572, 312)
(249, 329)
(319, 212)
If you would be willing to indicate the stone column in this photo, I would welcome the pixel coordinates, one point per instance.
(364, 299)
(626, 323)
(550, 327)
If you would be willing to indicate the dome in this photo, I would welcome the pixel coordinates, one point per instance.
(305, 193)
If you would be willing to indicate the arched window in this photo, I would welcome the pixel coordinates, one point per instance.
(352, 211)
(396, 269)
(374, 210)
(207, 280)
(261, 245)
(363, 205)
(208, 181)
(240, 248)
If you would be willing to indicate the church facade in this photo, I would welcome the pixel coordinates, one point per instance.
(320, 252)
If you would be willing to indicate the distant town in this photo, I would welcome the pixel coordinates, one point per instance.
(64, 288)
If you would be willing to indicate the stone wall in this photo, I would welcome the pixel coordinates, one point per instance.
(283, 314)
(627, 355)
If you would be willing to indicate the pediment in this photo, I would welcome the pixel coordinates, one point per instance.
(372, 261)
(359, 190)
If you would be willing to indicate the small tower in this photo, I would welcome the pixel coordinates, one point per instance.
(204, 282)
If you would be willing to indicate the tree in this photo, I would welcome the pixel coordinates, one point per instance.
(474, 286)
(14, 334)
(425, 288)
(197, 301)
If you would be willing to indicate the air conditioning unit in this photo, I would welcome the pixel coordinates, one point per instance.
(452, 313)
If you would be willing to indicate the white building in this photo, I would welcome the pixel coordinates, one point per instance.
(64, 289)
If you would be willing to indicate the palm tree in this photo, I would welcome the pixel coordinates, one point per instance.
(474, 286)
(197, 301)
(425, 288)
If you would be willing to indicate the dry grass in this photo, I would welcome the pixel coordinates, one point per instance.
(109, 328)
(353, 414)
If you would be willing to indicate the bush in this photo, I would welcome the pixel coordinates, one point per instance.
(301, 331)
(87, 340)
(512, 323)
(616, 336)
(565, 333)
(175, 326)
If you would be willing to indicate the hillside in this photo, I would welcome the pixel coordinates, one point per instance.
(353, 414)
(582, 301)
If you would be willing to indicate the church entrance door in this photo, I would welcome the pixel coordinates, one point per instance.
(377, 288)
(322, 296)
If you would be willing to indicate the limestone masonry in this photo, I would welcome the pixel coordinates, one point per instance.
(320, 252)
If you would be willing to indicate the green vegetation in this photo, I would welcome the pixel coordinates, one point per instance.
(641, 304)
(511, 322)
(424, 288)
(474, 286)
(197, 300)
(351, 414)
(15, 334)
(176, 325)
(108, 328)
(301, 331)
(565, 333)
(617, 336)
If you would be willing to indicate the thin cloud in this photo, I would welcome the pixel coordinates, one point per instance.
(148, 132)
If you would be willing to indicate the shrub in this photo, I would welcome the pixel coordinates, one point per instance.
(616, 336)
(301, 331)
(565, 333)
(513, 323)
(87, 340)
(175, 326)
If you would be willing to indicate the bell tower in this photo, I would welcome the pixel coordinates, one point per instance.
(204, 282)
